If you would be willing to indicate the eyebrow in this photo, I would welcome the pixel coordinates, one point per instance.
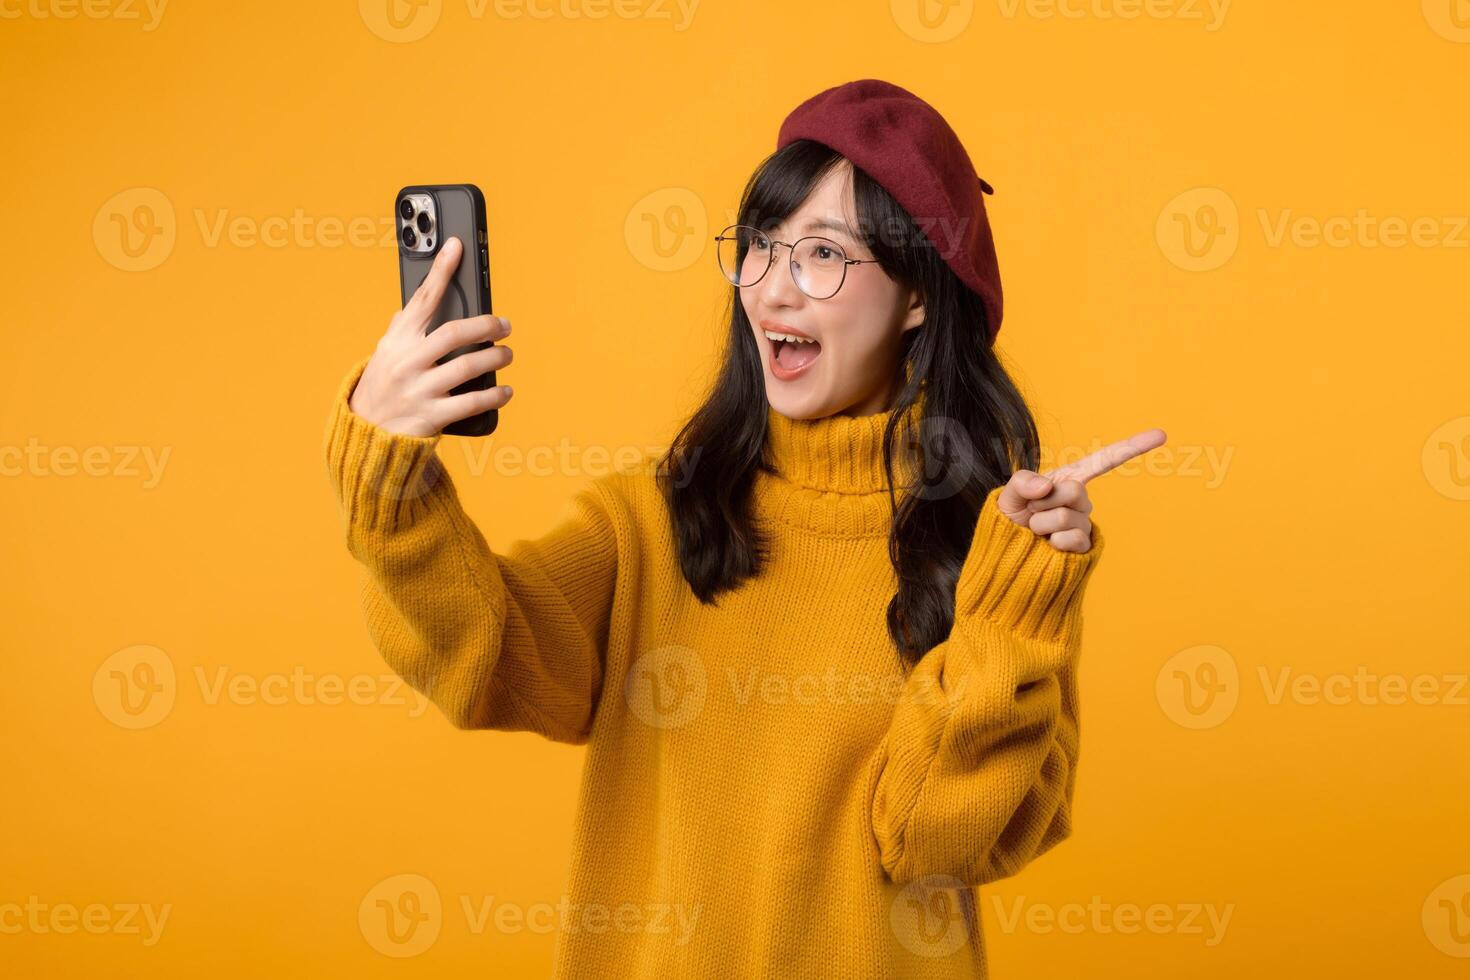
(830, 225)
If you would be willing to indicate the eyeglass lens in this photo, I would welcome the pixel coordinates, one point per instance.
(818, 264)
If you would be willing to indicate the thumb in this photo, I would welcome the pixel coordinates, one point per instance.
(1023, 487)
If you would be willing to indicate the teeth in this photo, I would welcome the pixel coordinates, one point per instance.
(771, 335)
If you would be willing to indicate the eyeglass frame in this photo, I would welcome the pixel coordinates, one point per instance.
(790, 258)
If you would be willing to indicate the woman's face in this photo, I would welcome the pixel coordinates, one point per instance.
(856, 331)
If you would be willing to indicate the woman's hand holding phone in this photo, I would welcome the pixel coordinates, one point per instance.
(403, 390)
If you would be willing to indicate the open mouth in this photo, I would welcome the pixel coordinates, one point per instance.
(791, 357)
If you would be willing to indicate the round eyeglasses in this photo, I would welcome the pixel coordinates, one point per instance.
(818, 265)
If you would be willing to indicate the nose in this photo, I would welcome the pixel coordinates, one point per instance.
(779, 288)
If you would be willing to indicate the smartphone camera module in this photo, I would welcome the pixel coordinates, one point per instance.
(416, 211)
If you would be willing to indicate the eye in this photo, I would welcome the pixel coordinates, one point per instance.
(827, 254)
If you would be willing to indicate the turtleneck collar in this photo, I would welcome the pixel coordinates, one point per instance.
(833, 454)
(829, 473)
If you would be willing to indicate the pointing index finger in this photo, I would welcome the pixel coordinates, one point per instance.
(431, 290)
(1108, 457)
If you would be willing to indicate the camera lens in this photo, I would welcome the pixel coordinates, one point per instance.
(424, 223)
(409, 238)
(405, 208)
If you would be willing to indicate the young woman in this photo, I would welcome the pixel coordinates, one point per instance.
(823, 654)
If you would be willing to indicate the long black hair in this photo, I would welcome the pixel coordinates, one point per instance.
(974, 428)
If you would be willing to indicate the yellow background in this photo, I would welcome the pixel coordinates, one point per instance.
(1325, 381)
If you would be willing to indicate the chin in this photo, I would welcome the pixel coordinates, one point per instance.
(794, 407)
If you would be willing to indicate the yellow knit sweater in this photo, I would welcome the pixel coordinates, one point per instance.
(768, 792)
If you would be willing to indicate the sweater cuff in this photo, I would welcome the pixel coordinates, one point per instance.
(382, 478)
(1013, 576)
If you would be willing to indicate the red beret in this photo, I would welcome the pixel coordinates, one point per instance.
(905, 145)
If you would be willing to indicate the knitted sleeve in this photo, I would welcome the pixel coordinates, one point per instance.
(515, 642)
(975, 775)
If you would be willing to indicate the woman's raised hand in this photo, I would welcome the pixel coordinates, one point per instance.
(1055, 504)
(402, 390)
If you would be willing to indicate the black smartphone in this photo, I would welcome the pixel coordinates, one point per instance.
(427, 215)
